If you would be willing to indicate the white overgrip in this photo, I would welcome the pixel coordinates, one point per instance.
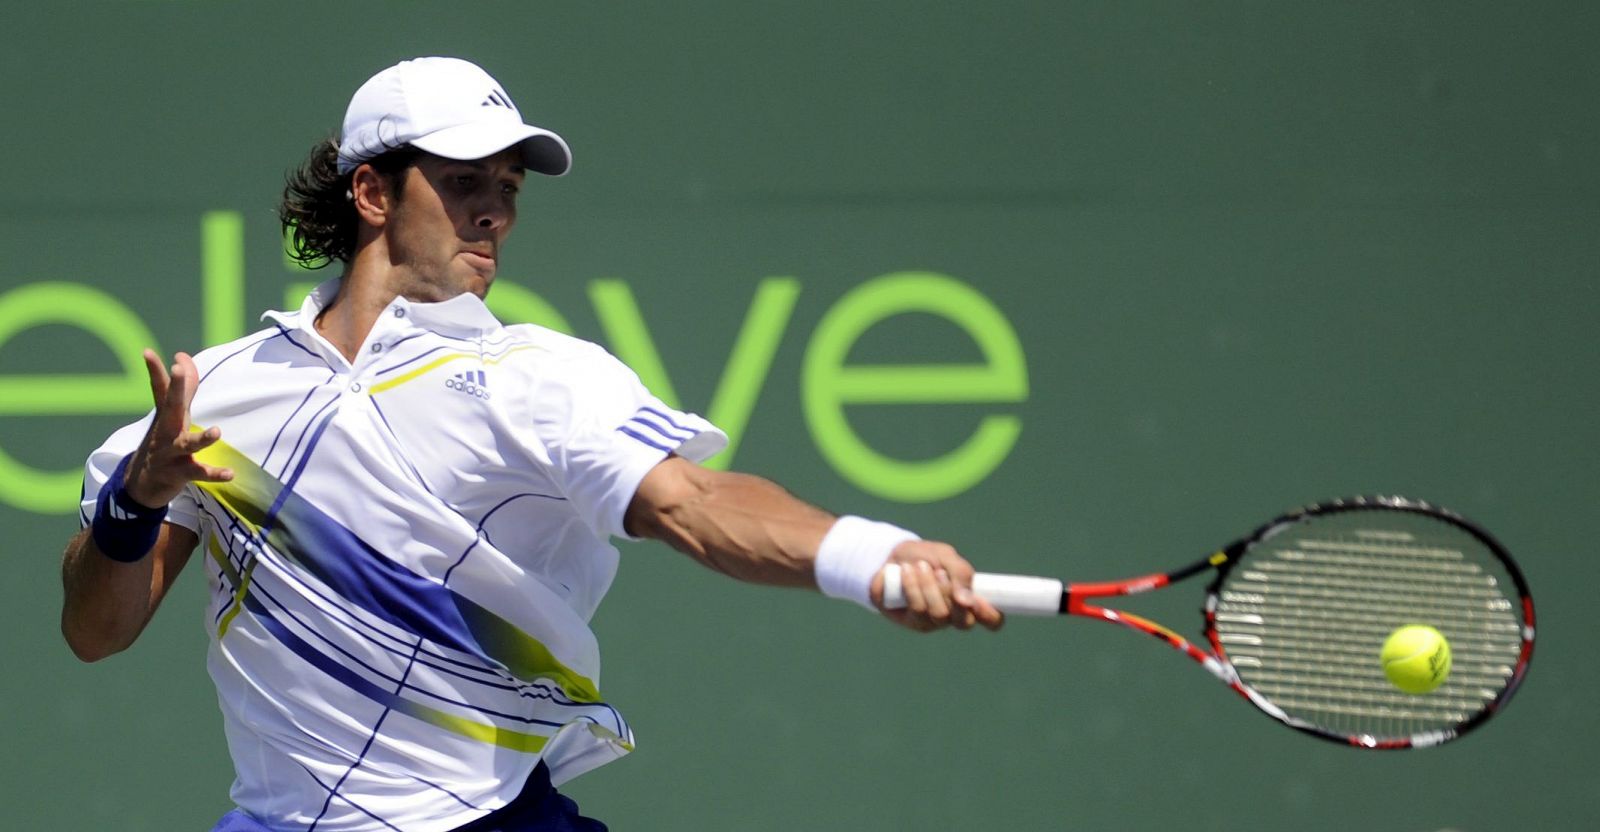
(1011, 594)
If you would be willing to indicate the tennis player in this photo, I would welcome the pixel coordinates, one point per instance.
(405, 508)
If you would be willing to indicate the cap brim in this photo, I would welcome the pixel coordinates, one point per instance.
(542, 151)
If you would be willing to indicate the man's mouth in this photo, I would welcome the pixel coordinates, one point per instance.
(482, 261)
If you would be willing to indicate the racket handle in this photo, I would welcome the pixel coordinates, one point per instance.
(1011, 594)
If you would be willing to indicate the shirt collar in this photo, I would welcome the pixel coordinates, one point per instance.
(462, 316)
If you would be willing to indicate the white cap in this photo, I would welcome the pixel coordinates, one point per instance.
(447, 107)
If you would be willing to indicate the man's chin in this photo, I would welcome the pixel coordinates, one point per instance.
(474, 280)
(480, 284)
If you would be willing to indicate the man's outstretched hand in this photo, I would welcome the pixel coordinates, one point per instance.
(164, 462)
(937, 583)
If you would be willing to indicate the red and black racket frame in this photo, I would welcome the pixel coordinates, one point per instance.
(1075, 601)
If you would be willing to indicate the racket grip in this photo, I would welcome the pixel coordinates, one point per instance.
(1011, 594)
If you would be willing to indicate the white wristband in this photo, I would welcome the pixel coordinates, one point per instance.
(852, 553)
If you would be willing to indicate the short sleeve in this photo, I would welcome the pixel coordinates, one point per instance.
(183, 511)
(603, 431)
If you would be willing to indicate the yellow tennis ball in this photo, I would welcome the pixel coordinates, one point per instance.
(1416, 658)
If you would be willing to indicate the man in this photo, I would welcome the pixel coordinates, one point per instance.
(406, 507)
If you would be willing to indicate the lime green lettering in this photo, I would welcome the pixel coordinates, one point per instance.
(221, 276)
(629, 337)
(100, 315)
(513, 304)
(828, 385)
(295, 294)
(743, 376)
(750, 361)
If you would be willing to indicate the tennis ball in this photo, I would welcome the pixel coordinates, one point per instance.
(1416, 658)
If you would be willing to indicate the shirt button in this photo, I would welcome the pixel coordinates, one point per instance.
(355, 387)
(377, 348)
(399, 312)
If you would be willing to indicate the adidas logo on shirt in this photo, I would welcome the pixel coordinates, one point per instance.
(471, 382)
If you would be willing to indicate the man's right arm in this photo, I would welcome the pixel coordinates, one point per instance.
(109, 600)
(108, 603)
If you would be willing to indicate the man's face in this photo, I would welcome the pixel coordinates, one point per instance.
(445, 231)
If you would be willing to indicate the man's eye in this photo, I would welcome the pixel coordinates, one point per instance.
(511, 190)
(464, 180)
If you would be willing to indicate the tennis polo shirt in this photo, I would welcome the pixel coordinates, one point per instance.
(403, 569)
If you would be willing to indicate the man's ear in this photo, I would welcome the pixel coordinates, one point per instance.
(372, 195)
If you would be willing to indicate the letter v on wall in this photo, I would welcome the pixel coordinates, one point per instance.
(748, 364)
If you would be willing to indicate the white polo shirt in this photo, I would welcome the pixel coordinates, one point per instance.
(403, 569)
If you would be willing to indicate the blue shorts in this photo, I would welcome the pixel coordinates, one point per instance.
(539, 808)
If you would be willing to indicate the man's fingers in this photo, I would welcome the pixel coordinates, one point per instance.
(987, 615)
(961, 616)
(936, 584)
(926, 608)
(158, 376)
(181, 391)
(200, 472)
(975, 609)
(925, 589)
(171, 413)
(194, 441)
(911, 587)
(191, 380)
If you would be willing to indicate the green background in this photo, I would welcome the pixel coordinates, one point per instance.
(1256, 254)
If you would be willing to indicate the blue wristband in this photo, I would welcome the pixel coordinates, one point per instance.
(122, 529)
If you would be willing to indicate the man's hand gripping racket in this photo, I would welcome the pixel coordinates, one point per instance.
(1297, 613)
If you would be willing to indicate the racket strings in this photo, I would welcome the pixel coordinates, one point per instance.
(1303, 619)
(1346, 650)
(1497, 616)
(1456, 589)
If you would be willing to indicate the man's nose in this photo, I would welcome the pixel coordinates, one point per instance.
(491, 214)
(491, 218)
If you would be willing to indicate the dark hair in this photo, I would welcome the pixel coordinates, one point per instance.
(318, 213)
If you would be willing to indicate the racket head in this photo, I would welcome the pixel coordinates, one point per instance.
(1299, 611)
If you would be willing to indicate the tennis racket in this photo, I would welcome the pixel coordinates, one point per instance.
(1297, 612)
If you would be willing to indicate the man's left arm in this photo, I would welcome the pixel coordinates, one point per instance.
(752, 529)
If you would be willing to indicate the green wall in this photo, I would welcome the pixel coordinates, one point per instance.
(1252, 255)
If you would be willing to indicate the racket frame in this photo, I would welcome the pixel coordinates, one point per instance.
(1076, 597)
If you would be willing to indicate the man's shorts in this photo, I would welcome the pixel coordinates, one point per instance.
(539, 808)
